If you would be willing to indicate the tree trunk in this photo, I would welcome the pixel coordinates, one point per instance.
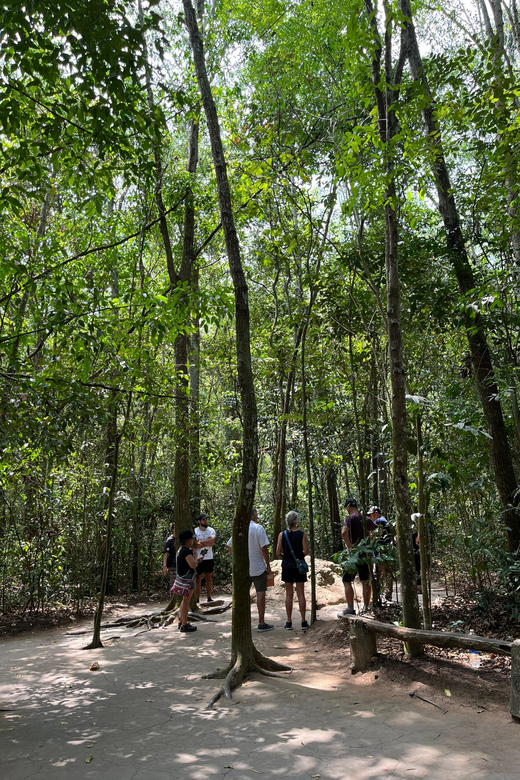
(360, 449)
(312, 539)
(194, 358)
(335, 518)
(505, 477)
(111, 469)
(181, 511)
(387, 130)
(244, 656)
(423, 532)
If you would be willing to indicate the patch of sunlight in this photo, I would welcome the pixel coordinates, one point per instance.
(297, 736)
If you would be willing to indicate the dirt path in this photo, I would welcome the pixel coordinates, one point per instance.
(143, 715)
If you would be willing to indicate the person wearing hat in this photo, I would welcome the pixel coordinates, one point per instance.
(183, 585)
(353, 532)
(205, 563)
(385, 538)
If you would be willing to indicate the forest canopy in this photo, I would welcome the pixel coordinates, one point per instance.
(372, 156)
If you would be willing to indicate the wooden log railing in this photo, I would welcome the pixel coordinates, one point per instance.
(363, 646)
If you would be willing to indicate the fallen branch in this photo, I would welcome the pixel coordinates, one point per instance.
(418, 696)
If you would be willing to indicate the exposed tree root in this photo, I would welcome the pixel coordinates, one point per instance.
(217, 609)
(266, 673)
(234, 674)
(220, 674)
(161, 619)
(263, 662)
(233, 679)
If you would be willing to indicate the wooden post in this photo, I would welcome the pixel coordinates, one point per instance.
(363, 647)
(514, 702)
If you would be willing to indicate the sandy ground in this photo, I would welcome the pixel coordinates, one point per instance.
(144, 716)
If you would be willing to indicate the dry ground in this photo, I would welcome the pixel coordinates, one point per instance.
(143, 715)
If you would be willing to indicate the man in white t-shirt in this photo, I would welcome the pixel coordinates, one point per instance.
(205, 540)
(259, 567)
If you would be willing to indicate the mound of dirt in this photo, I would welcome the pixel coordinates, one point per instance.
(329, 587)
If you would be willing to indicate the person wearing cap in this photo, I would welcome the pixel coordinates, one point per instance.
(184, 585)
(205, 563)
(353, 532)
(385, 538)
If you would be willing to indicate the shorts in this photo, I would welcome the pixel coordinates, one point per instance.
(362, 570)
(293, 575)
(205, 567)
(260, 582)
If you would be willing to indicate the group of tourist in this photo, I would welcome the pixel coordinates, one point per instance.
(194, 560)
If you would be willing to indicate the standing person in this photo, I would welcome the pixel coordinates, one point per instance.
(291, 547)
(184, 585)
(385, 539)
(169, 556)
(205, 563)
(259, 567)
(353, 532)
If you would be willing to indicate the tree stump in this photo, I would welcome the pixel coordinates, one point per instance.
(363, 646)
(514, 702)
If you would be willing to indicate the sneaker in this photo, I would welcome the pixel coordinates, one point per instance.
(209, 601)
(346, 612)
(288, 625)
(264, 627)
(305, 625)
(188, 628)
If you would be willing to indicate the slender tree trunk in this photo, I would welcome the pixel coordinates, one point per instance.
(423, 532)
(194, 358)
(335, 518)
(280, 492)
(294, 481)
(244, 655)
(505, 477)
(387, 130)
(111, 469)
(312, 540)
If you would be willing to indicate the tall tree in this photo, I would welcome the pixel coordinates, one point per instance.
(505, 477)
(386, 101)
(244, 655)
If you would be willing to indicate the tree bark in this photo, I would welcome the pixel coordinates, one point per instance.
(181, 511)
(423, 531)
(387, 131)
(312, 535)
(244, 656)
(505, 478)
(111, 468)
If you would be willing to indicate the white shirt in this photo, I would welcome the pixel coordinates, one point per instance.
(257, 540)
(202, 534)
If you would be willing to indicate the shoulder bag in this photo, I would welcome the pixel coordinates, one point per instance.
(302, 565)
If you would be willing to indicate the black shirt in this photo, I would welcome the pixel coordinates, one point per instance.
(184, 569)
(296, 540)
(354, 523)
(169, 547)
